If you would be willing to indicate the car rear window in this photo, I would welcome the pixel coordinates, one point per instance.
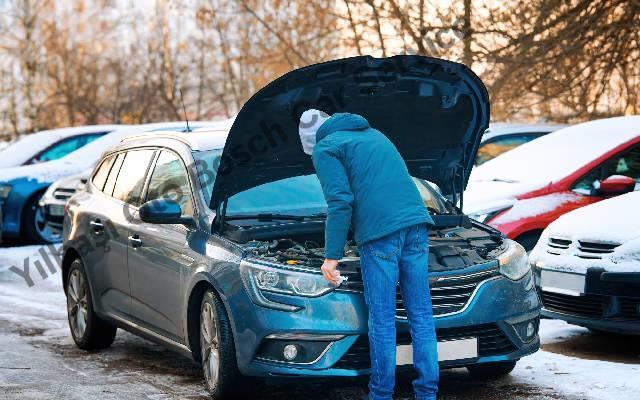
(113, 174)
(130, 180)
(100, 177)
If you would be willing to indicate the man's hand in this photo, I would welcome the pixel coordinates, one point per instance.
(330, 271)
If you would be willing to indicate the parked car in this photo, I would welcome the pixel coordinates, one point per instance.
(56, 196)
(587, 266)
(222, 263)
(524, 190)
(502, 137)
(22, 187)
(50, 145)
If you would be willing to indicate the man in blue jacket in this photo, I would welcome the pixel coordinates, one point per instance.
(367, 186)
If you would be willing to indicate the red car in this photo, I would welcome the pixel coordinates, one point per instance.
(524, 190)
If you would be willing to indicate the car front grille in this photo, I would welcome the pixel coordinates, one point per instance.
(556, 245)
(591, 249)
(491, 342)
(629, 308)
(450, 294)
(63, 193)
(589, 306)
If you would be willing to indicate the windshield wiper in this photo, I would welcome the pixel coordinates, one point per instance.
(266, 217)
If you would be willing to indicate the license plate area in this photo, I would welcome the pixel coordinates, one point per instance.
(448, 350)
(562, 282)
(56, 210)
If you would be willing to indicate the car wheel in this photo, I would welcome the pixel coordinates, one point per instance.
(529, 240)
(34, 224)
(87, 329)
(217, 348)
(491, 370)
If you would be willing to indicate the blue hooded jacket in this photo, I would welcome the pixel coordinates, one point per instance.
(365, 183)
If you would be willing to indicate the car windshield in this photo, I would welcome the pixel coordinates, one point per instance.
(299, 195)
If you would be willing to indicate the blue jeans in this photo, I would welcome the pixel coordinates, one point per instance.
(403, 257)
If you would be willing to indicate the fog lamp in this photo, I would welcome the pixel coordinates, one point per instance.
(531, 330)
(290, 352)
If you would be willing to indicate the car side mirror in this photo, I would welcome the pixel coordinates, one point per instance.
(617, 184)
(162, 211)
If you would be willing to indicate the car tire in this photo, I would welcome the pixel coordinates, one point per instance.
(529, 240)
(217, 350)
(33, 225)
(89, 331)
(494, 370)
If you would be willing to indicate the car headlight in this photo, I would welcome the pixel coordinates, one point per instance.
(514, 263)
(285, 281)
(4, 191)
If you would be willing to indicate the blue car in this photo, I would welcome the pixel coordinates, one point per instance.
(22, 188)
(211, 243)
(22, 163)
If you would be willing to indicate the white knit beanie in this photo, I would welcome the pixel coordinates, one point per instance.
(310, 122)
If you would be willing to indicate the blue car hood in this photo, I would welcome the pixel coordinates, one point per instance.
(434, 111)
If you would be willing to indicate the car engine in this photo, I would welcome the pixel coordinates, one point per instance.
(449, 249)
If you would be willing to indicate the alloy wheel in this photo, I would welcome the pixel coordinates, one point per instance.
(210, 346)
(77, 307)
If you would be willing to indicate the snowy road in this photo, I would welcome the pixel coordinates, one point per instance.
(38, 359)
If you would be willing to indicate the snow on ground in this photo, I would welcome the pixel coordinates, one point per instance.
(135, 367)
(588, 379)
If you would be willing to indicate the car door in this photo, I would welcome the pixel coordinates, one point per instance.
(161, 255)
(108, 224)
(626, 163)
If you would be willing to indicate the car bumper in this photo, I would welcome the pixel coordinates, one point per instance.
(491, 315)
(610, 302)
(53, 211)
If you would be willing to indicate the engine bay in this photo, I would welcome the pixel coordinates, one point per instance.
(449, 249)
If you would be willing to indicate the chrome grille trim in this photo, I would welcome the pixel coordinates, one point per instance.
(453, 299)
(63, 194)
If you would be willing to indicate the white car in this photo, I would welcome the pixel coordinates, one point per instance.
(587, 266)
(50, 144)
(525, 189)
(505, 136)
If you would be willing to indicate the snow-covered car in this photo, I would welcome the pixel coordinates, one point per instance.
(50, 145)
(587, 266)
(521, 192)
(55, 198)
(22, 187)
(504, 136)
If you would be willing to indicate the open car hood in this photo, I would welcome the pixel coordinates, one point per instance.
(434, 111)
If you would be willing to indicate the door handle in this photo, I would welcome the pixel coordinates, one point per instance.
(135, 241)
(97, 226)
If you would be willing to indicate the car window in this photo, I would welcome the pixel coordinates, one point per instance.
(627, 163)
(100, 177)
(113, 174)
(494, 147)
(64, 147)
(130, 180)
(169, 180)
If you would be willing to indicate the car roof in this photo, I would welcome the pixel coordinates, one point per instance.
(200, 140)
(211, 136)
(27, 146)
